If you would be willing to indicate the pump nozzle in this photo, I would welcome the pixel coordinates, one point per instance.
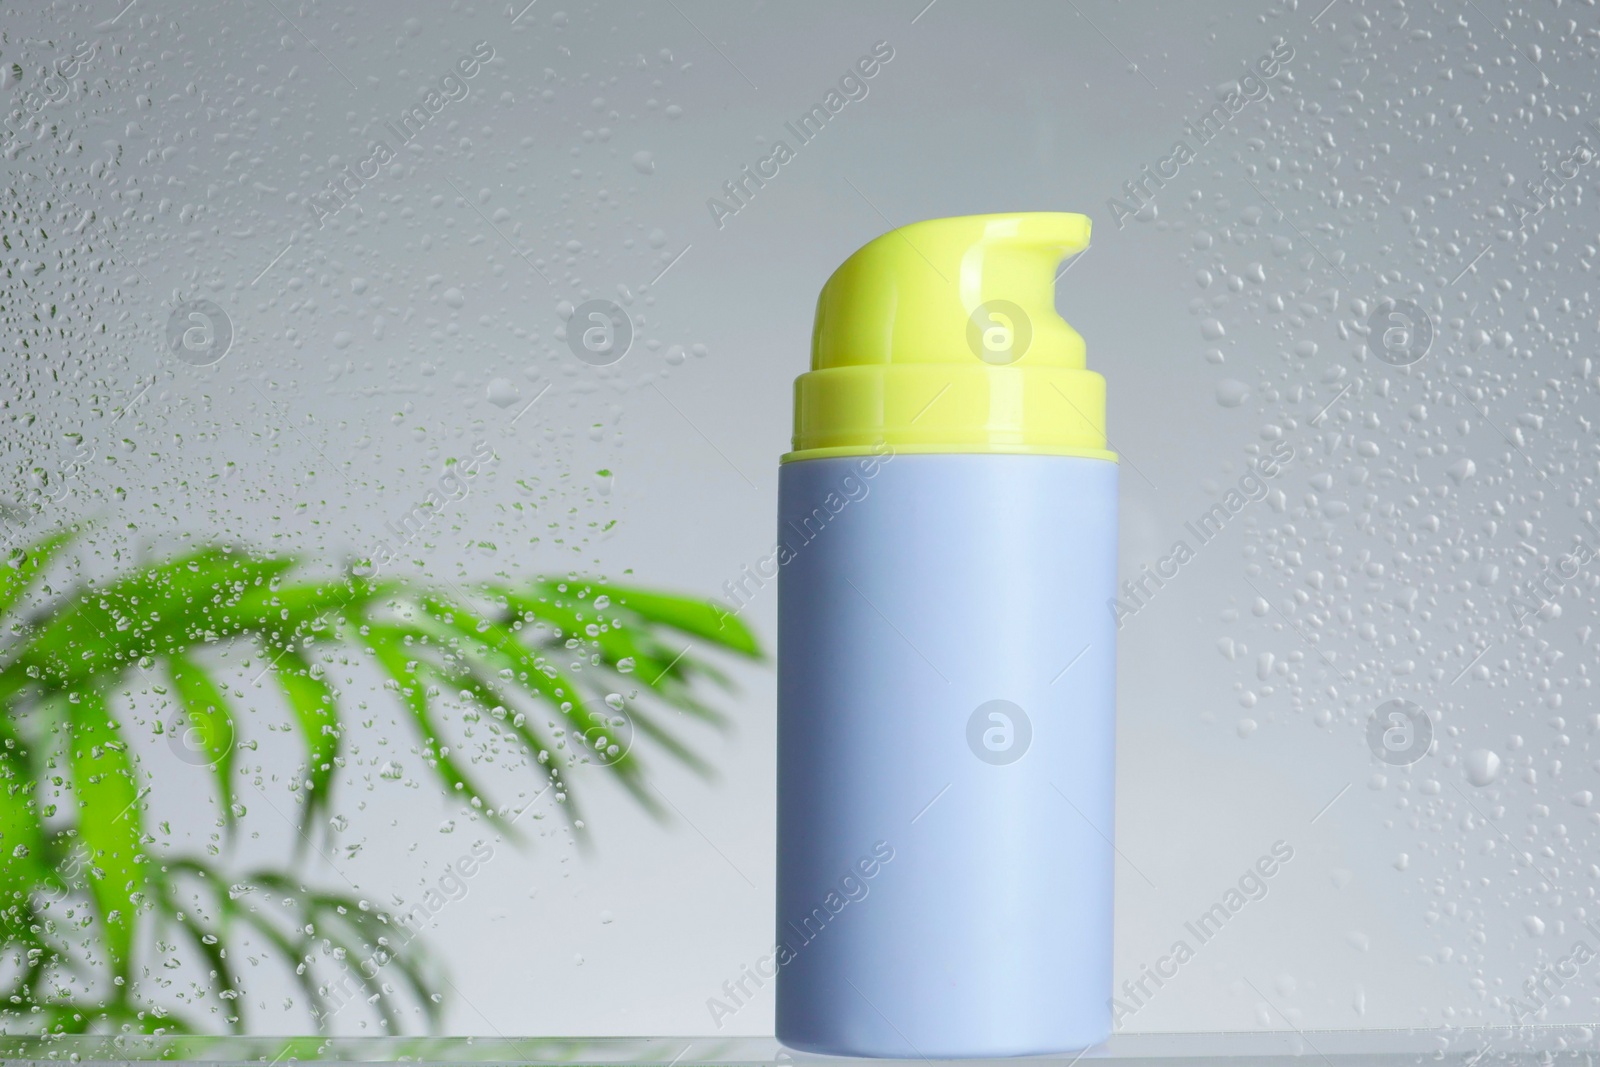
(942, 336)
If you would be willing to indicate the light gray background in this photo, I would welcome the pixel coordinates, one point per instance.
(1231, 315)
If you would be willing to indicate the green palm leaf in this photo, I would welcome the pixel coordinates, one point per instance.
(25, 564)
(165, 607)
(700, 618)
(21, 837)
(387, 644)
(573, 673)
(109, 819)
(315, 709)
(208, 720)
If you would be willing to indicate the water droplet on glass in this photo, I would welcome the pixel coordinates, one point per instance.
(1232, 392)
(502, 393)
(1483, 766)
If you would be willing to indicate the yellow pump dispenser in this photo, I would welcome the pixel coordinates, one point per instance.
(942, 336)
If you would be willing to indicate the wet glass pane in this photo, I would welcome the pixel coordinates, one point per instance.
(394, 398)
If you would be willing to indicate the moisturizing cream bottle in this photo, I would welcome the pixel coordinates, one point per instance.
(946, 657)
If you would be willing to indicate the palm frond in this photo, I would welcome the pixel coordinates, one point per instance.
(389, 646)
(23, 565)
(157, 609)
(574, 673)
(316, 712)
(208, 722)
(109, 819)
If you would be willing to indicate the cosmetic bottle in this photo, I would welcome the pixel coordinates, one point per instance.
(946, 656)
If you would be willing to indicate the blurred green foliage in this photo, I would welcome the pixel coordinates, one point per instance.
(101, 923)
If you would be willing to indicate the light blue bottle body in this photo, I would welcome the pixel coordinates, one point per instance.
(946, 748)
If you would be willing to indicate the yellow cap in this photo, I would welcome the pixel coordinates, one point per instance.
(942, 336)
